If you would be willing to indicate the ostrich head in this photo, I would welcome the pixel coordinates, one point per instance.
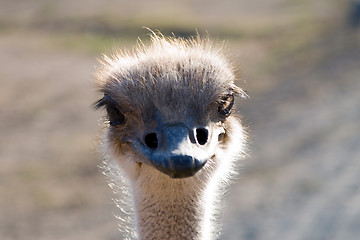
(169, 123)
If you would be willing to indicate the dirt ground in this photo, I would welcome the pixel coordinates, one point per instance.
(298, 61)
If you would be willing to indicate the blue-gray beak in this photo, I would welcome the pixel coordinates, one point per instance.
(175, 149)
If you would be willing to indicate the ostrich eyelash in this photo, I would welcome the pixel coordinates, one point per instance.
(103, 102)
(236, 91)
(113, 112)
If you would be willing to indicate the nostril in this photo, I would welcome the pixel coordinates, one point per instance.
(202, 135)
(151, 140)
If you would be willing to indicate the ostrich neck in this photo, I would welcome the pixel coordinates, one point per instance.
(173, 211)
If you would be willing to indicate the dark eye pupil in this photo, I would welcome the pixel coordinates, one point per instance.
(226, 105)
(115, 116)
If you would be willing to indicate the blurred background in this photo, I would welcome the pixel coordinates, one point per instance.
(299, 61)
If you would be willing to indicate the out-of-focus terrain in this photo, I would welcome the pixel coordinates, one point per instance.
(299, 61)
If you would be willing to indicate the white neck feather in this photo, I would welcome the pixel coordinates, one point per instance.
(167, 208)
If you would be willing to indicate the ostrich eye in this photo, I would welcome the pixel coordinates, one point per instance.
(226, 103)
(115, 116)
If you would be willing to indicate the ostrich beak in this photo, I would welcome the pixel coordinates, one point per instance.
(176, 150)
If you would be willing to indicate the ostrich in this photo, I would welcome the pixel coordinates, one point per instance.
(169, 130)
